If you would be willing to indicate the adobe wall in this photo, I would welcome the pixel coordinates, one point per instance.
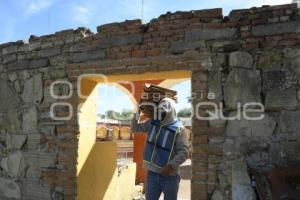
(250, 55)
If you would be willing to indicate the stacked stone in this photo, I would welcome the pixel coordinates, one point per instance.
(34, 147)
(250, 55)
(263, 66)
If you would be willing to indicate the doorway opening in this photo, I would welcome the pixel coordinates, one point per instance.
(119, 164)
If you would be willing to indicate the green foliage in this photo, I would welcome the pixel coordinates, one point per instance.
(111, 114)
(185, 112)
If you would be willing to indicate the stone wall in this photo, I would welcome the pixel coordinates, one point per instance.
(250, 55)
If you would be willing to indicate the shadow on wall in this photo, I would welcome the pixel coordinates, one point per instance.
(98, 176)
(96, 161)
(97, 173)
(87, 121)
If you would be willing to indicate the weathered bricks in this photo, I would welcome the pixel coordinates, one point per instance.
(53, 51)
(89, 55)
(213, 13)
(9, 50)
(121, 40)
(225, 54)
(9, 58)
(276, 29)
(182, 46)
(289, 121)
(28, 64)
(210, 34)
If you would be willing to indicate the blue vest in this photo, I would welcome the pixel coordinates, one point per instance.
(160, 142)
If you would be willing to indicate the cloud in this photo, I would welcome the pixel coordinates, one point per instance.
(130, 7)
(133, 9)
(32, 7)
(81, 14)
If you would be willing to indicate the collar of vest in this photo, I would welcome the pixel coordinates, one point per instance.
(157, 122)
(171, 126)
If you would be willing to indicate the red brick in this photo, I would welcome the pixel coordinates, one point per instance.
(138, 53)
(199, 195)
(288, 42)
(124, 55)
(153, 52)
(207, 150)
(200, 139)
(210, 131)
(213, 25)
(251, 45)
(199, 167)
(63, 129)
(200, 176)
(166, 33)
(210, 13)
(211, 188)
(245, 34)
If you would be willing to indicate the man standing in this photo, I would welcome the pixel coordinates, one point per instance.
(166, 148)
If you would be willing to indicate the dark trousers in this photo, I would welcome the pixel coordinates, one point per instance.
(157, 184)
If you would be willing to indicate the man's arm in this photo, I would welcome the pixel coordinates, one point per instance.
(181, 151)
(139, 127)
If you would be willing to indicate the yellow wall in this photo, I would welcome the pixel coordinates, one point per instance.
(99, 178)
(176, 74)
(87, 124)
(97, 172)
(168, 83)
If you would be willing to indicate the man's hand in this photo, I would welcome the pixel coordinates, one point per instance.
(167, 170)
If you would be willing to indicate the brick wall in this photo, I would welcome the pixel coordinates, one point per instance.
(250, 55)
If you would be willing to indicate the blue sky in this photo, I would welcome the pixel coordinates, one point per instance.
(22, 18)
(112, 98)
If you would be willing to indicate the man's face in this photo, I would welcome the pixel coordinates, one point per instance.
(161, 114)
(163, 108)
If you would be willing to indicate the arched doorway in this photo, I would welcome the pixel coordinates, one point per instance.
(98, 165)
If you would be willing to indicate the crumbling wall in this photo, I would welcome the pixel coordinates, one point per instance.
(251, 55)
(38, 153)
